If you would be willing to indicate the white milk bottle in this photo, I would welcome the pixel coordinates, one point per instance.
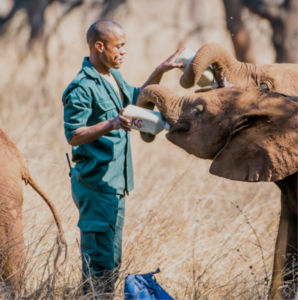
(145, 120)
(207, 80)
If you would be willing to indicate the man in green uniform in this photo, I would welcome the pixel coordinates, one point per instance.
(100, 140)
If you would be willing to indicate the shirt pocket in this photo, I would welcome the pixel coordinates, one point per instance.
(105, 110)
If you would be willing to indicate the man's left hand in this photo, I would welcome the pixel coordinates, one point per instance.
(166, 66)
(169, 63)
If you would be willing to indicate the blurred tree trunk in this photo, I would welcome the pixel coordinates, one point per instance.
(276, 15)
(283, 19)
(35, 10)
(237, 29)
(291, 33)
(109, 7)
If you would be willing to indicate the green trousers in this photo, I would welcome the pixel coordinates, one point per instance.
(101, 224)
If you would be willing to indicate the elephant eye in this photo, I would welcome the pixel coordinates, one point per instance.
(198, 110)
(264, 86)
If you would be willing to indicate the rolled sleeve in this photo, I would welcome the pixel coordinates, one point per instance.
(77, 110)
(133, 93)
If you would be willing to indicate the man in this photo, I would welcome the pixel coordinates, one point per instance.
(100, 141)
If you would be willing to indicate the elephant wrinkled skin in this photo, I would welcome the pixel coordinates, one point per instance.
(12, 247)
(251, 135)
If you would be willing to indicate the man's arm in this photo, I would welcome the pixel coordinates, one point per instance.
(166, 66)
(89, 134)
(156, 76)
(77, 110)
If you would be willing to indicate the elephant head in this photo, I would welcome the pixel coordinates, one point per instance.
(281, 78)
(249, 133)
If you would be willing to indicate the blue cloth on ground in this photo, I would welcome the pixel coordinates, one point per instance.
(144, 287)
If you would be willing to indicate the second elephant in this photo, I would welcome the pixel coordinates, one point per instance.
(12, 247)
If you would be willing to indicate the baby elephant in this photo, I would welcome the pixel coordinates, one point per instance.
(12, 248)
(251, 135)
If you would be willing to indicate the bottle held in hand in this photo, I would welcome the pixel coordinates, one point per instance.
(207, 79)
(145, 120)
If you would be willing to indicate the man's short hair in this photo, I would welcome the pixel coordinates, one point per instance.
(100, 30)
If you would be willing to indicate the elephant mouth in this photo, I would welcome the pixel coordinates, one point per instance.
(219, 83)
(181, 127)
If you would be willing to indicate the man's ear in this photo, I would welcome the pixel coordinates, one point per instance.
(99, 46)
(262, 145)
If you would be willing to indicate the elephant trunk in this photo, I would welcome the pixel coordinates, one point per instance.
(215, 55)
(160, 96)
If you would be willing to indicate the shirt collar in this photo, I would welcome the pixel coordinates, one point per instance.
(92, 72)
(89, 70)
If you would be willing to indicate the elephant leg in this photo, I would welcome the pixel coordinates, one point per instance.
(278, 262)
(284, 281)
(12, 252)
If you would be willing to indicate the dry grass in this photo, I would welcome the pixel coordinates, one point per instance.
(212, 238)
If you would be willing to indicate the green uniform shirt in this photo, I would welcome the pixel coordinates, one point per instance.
(105, 164)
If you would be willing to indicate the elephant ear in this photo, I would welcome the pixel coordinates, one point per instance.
(262, 145)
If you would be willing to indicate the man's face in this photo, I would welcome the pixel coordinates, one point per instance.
(113, 51)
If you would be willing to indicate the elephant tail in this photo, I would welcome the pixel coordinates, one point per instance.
(28, 179)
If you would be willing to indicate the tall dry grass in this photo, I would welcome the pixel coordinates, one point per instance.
(211, 237)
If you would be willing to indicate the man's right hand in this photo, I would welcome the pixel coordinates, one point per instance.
(121, 122)
(89, 134)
